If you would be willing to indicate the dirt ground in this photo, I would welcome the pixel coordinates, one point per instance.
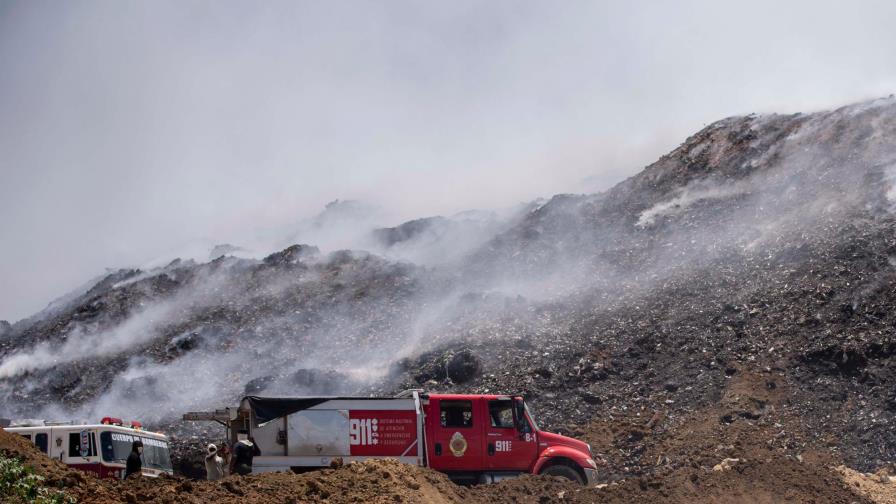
(880, 487)
(770, 478)
(745, 448)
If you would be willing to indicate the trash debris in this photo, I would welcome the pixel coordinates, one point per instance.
(725, 464)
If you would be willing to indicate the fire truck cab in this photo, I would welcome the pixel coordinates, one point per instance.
(487, 438)
(100, 448)
(472, 438)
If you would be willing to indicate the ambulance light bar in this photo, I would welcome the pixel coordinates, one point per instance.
(121, 423)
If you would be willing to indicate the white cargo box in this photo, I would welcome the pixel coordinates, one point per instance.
(311, 432)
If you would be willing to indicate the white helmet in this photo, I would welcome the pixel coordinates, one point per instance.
(212, 449)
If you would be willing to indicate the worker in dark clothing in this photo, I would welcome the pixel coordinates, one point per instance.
(135, 462)
(243, 453)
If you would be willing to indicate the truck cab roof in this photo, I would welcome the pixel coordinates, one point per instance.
(460, 397)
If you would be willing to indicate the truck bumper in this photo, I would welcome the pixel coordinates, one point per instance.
(590, 476)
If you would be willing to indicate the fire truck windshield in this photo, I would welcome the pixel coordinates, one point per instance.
(531, 417)
(116, 446)
(522, 413)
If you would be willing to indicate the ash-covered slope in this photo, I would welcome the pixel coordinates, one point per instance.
(762, 244)
(152, 344)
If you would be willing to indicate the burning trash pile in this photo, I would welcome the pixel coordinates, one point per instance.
(742, 284)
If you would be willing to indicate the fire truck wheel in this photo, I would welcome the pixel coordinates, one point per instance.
(564, 471)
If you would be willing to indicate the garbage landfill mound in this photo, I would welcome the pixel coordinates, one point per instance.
(775, 479)
(734, 294)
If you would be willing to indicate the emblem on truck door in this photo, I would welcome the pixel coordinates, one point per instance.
(458, 445)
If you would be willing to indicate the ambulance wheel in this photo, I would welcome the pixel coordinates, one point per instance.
(564, 471)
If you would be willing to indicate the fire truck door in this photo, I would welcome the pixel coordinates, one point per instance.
(455, 442)
(506, 448)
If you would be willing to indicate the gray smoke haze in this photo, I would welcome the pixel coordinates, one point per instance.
(131, 131)
(274, 325)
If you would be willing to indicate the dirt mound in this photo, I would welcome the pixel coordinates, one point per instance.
(374, 481)
(880, 487)
(751, 419)
(774, 480)
(14, 446)
(378, 481)
(57, 474)
(777, 478)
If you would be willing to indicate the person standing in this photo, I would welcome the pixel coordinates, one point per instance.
(226, 455)
(214, 465)
(243, 453)
(135, 462)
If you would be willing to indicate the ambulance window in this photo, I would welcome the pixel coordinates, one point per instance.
(456, 413)
(74, 445)
(26, 436)
(40, 440)
(501, 414)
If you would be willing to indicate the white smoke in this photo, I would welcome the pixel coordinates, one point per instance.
(687, 196)
(81, 344)
(140, 327)
(890, 179)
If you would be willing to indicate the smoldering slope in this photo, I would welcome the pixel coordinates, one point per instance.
(154, 344)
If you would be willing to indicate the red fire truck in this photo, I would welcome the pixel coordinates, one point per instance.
(98, 448)
(472, 438)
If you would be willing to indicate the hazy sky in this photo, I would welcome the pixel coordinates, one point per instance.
(128, 129)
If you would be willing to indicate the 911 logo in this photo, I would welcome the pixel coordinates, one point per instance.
(363, 431)
(503, 446)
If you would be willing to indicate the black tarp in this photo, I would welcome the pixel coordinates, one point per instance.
(269, 408)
